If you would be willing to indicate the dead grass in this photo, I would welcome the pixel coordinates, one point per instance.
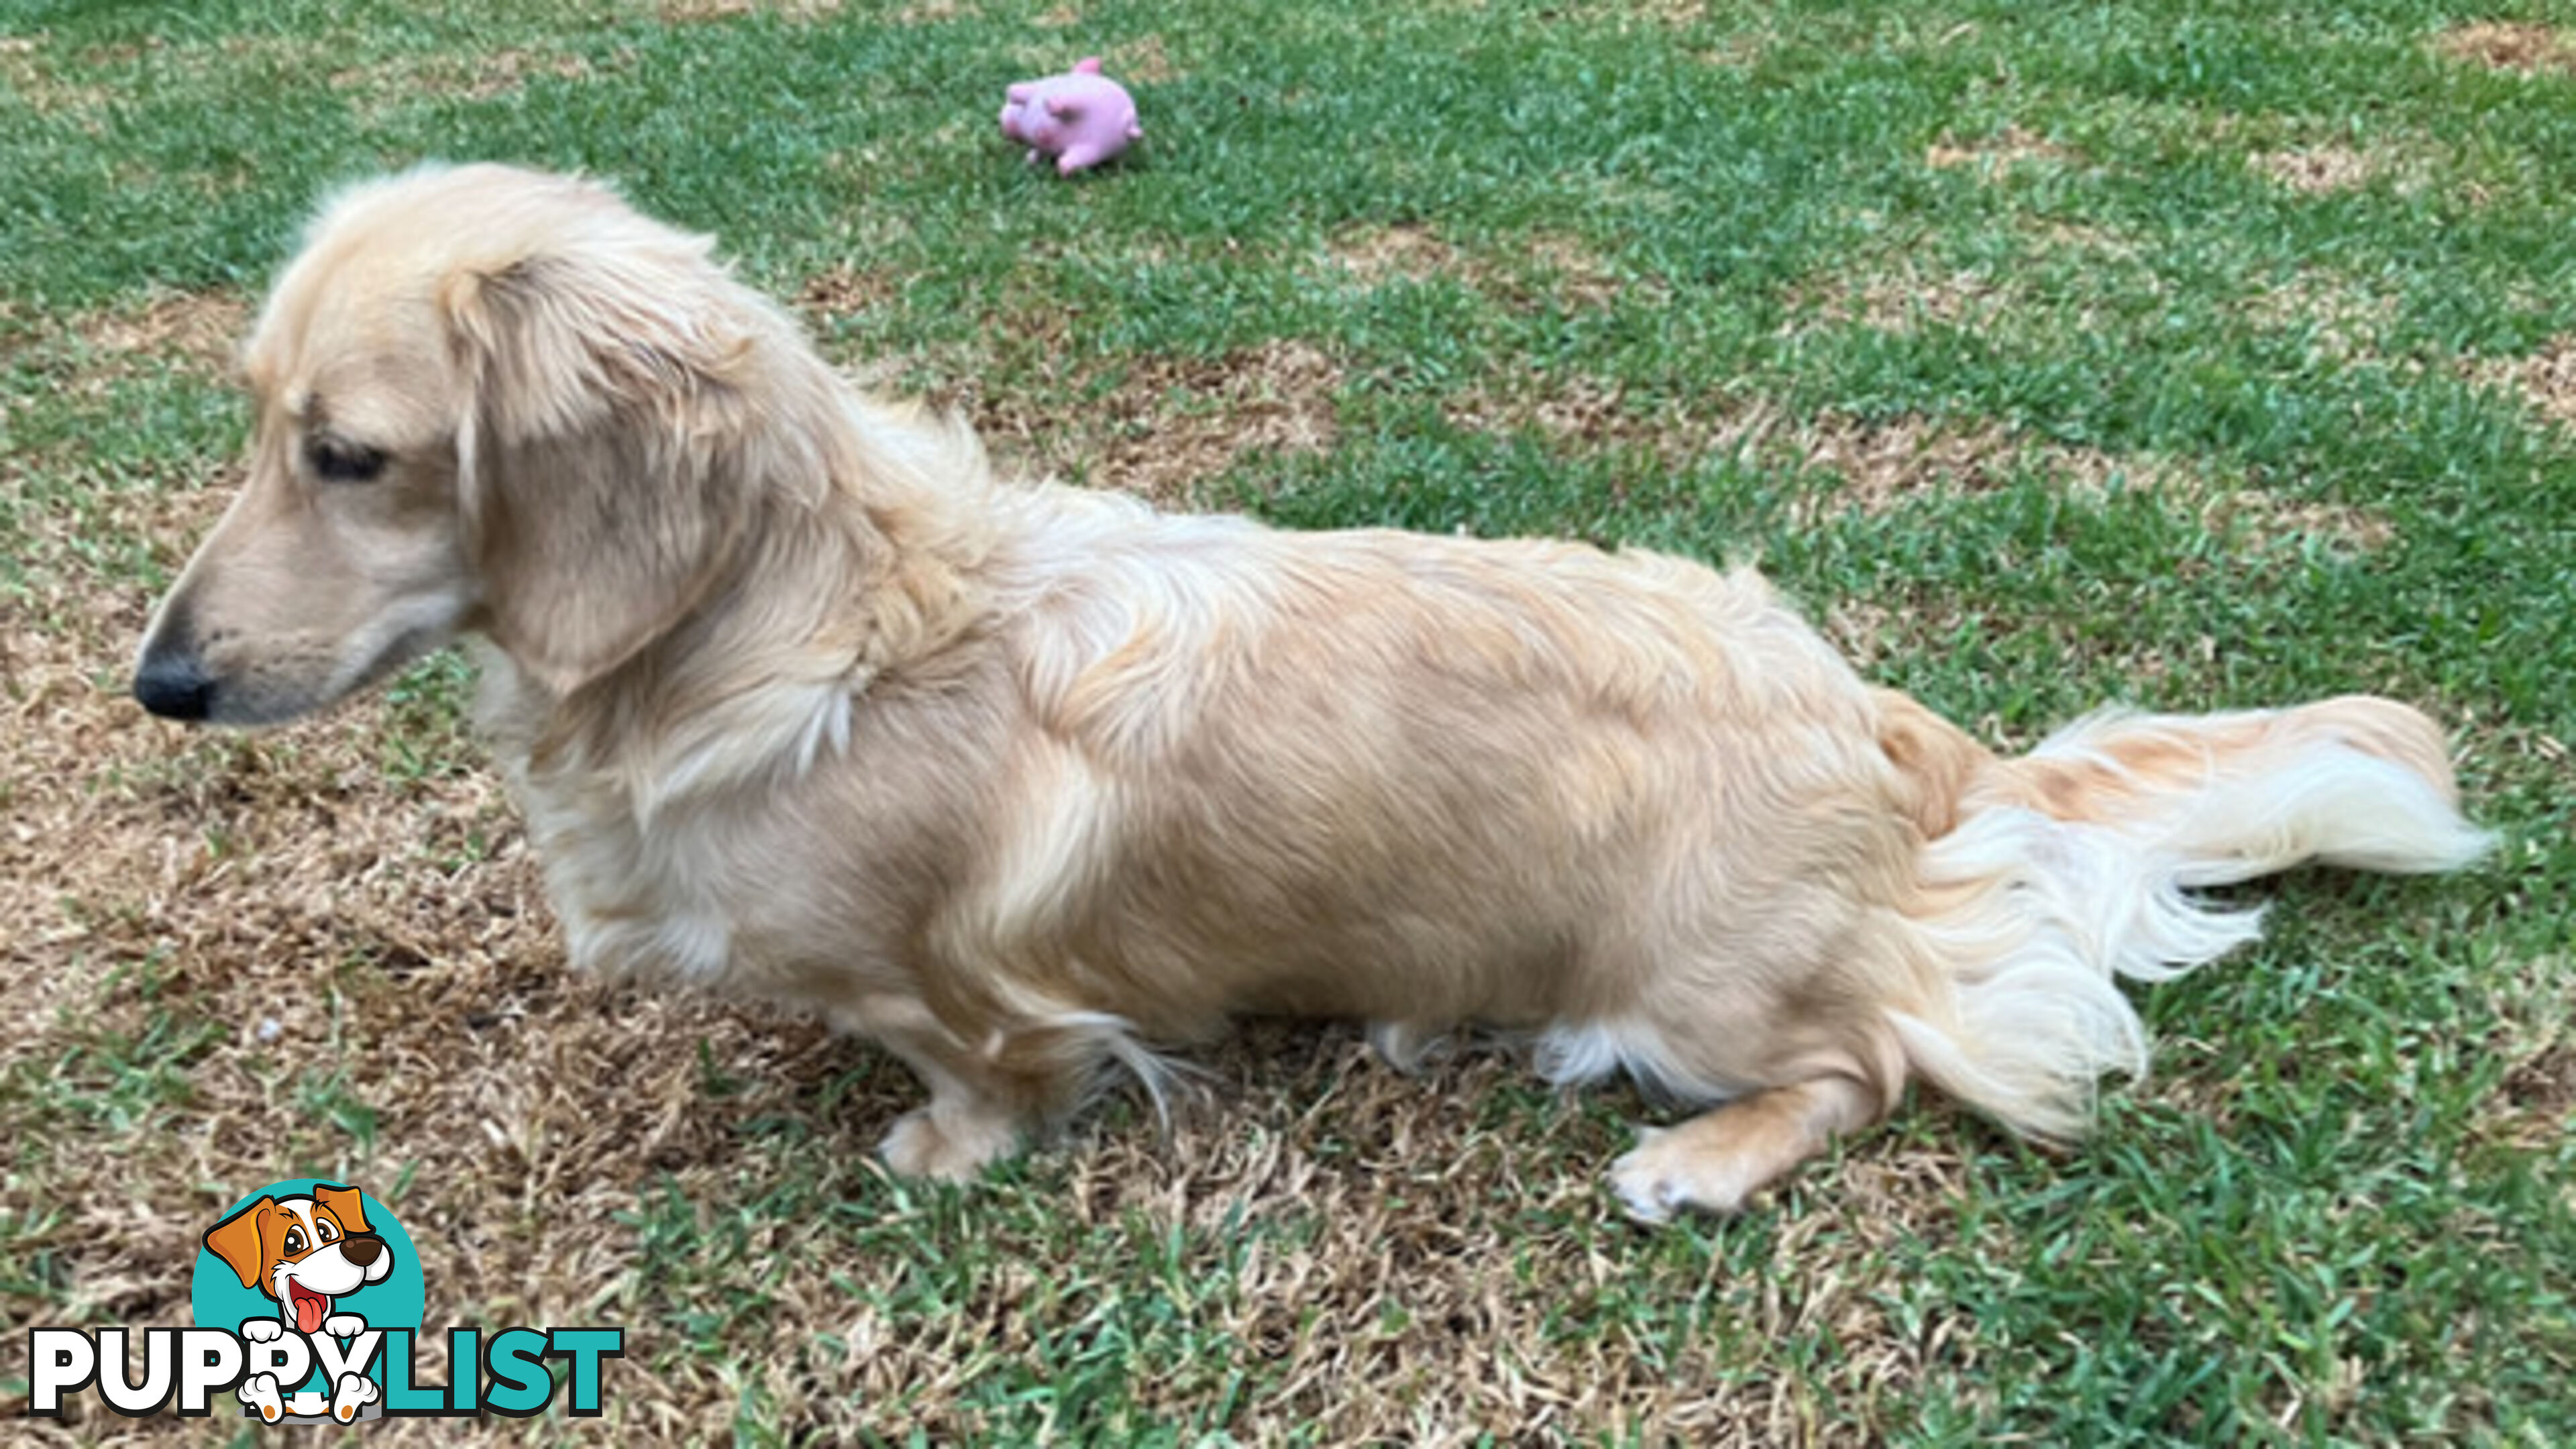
(1568, 269)
(1170, 425)
(1886, 463)
(1882, 465)
(1621, 14)
(1992, 155)
(691, 12)
(2320, 170)
(197, 330)
(2522, 47)
(1581, 414)
(1531, 269)
(1409, 251)
(39, 85)
(2268, 517)
(2545, 379)
(844, 290)
(1902, 296)
(1143, 61)
(2340, 318)
(2533, 1106)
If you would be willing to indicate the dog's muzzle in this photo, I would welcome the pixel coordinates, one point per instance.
(173, 684)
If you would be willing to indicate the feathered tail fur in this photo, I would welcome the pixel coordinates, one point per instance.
(2049, 876)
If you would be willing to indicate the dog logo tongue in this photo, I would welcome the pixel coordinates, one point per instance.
(310, 1308)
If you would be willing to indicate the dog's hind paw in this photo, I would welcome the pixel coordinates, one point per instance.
(949, 1147)
(1717, 1161)
(1666, 1175)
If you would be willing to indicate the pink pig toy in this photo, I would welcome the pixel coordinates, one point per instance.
(1081, 119)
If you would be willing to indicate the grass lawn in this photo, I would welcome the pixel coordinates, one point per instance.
(2197, 355)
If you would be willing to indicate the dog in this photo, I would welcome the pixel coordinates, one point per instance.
(1026, 782)
(304, 1253)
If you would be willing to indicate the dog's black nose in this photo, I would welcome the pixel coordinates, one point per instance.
(174, 685)
(362, 1249)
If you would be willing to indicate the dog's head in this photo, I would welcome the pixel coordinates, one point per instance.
(304, 1252)
(485, 399)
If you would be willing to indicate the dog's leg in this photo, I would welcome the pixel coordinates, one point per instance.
(1715, 1161)
(965, 1126)
(976, 1110)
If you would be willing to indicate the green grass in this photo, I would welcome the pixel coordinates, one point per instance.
(2342, 1210)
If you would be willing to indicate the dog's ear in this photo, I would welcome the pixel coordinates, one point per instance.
(600, 469)
(346, 1205)
(241, 1241)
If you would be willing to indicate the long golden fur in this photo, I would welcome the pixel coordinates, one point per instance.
(1024, 781)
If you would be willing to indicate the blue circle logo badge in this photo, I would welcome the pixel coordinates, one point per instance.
(322, 1261)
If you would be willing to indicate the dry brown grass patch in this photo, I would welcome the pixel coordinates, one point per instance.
(38, 85)
(2534, 1104)
(691, 12)
(1666, 14)
(475, 76)
(1905, 297)
(2522, 47)
(1172, 424)
(1589, 415)
(198, 330)
(2269, 517)
(2545, 380)
(2339, 316)
(1143, 61)
(502, 71)
(1884, 463)
(2012, 146)
(1573, 272)
(845, 290)
(1408, 250)
(2318, 170)
(1520, 270)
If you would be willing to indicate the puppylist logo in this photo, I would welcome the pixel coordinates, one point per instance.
(308, 1303)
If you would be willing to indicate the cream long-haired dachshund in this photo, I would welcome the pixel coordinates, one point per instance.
(1024, 781)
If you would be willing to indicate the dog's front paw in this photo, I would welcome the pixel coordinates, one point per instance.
(259, 1391)
(1669, 1173)
(951, 1148)
(355, 1392)
(262, 1330)
(344, 1325)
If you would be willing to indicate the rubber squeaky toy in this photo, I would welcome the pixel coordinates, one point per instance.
(1081, 118)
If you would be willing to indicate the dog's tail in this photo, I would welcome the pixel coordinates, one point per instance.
(2047, 877)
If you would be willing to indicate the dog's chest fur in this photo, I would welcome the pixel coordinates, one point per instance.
(642, 870)
(742, 846)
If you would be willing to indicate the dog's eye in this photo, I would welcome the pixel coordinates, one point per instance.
(340, 461)
(323, 1232)
(295, 1240)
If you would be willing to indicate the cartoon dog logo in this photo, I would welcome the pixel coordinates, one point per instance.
(306, 1253)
